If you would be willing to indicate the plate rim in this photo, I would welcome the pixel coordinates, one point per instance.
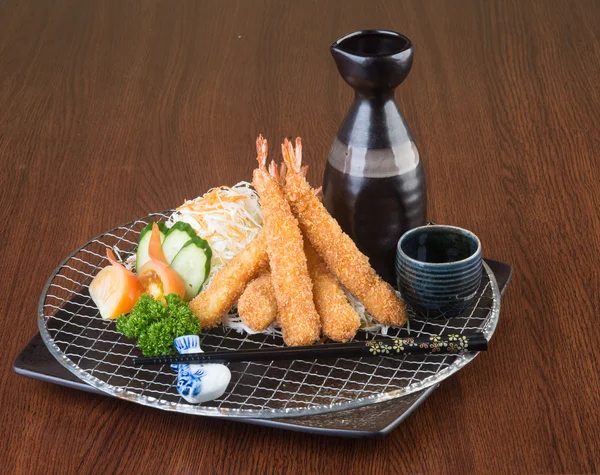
(460, 362)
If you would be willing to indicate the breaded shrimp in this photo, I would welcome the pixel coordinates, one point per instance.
(298, 317)
(338, 319)
(257, 307)
(339, 252)
(230, 281)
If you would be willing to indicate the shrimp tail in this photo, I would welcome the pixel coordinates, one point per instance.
(274, 172)
(260, 174)
(262, 150)
(282, 172)
(293, 159)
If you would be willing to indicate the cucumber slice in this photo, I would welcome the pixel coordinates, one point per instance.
(142, 256)
(192, 263)
(177, 236)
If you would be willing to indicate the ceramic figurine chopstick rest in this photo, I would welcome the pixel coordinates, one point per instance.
(198, 383)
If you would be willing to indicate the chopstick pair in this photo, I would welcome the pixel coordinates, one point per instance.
(389, 347)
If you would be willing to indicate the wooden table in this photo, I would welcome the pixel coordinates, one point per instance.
(112, 109)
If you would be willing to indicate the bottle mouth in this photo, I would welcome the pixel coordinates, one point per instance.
(373, 43)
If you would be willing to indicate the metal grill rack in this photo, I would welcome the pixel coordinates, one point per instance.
(93, 350)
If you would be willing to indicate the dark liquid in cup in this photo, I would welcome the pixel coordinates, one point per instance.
(439, 246)
(375, 212)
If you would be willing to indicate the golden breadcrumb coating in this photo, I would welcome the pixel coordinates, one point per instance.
(299, 320)
(339, 320)
(230, 281)
(257, 307)
(339, 252)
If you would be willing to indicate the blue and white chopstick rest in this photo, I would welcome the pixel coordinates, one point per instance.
(198, 383)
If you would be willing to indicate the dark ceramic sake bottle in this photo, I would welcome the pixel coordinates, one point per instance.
(374, 184)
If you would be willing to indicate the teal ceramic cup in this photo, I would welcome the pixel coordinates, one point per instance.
(438, 270)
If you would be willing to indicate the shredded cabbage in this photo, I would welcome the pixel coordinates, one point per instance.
(229, 218)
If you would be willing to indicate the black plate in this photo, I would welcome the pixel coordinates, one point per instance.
(375, 420)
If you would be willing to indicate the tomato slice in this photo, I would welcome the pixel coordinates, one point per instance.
(156, 276)
(115, 290)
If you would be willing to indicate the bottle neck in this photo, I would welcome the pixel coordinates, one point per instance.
(374, 121)
(377, 96)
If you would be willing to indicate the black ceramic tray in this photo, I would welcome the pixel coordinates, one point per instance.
(35, 361)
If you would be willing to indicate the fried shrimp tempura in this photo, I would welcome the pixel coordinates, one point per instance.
(338, 319)
(257, 307)
(339, 252)
(298, 317)
(230, 281)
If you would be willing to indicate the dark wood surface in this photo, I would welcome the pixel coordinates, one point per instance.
(112, 109)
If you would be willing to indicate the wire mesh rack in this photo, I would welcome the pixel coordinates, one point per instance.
(92, 349)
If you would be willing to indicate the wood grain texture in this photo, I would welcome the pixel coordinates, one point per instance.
(113, 109)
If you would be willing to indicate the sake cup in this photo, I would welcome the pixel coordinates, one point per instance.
(438, 270)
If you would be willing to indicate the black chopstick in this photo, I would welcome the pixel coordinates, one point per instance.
(389, 347)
